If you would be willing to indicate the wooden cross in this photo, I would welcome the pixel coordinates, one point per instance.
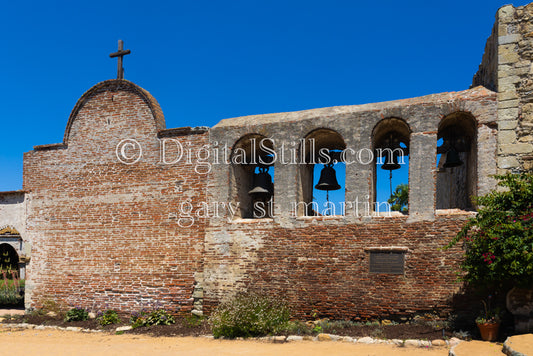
(121, 53)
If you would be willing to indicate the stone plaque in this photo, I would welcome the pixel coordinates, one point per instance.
(391, 262)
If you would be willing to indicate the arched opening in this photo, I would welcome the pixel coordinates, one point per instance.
(11, 285)
(456, 162)
(9, 259)
(322, 174)
(390, 140)
(252, 177)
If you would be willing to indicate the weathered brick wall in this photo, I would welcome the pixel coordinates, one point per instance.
(102, 232)
(323, 266)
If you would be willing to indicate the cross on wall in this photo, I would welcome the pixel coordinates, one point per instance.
(120, 54)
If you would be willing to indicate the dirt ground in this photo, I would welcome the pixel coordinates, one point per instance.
(52, 342)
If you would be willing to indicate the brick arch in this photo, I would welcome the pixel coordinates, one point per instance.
(116, 85)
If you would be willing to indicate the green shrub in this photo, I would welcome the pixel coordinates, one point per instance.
(498, 241)
(12, 295)
(108, 317)
(298, 327)
(249, 314)
(77, 314)
(156, 317)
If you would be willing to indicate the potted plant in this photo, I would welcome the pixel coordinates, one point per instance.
(488, 322)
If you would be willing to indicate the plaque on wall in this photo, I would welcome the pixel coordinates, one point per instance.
(391, 262)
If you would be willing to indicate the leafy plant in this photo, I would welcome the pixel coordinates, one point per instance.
(155, 317)
(108, 317)
(249, 314)
(488, 315)
(77, 314)
(399, 198)
(317, 329)
(193, 320)
(499, 239)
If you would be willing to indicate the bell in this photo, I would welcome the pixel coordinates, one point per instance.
(262, 186)
(452, 159)
(328, 179)
(391, 163)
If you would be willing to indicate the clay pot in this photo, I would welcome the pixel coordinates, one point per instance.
(489, 332)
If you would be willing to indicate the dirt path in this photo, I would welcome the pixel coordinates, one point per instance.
(45, 342)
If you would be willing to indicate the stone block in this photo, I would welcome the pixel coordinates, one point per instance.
(517, 148)
(508, 56)
(508, 114)
(324, 337)
(513, 79)
(508, 104)
(438, 342)
(506, 14)
(507, 162)
(507, 124)
(506, 137)
(124, 328)
(425, 343)
(365, 340)
(506, 39)
(507, 95)
(411, 343)
(294, 338)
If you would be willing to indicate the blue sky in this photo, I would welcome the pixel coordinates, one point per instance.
(208, 60)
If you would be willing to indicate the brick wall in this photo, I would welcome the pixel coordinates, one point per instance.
(323, 266)
(102, 232)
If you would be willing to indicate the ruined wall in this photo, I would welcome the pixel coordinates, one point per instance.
(509, 54)
(321, 264)
(104, 232)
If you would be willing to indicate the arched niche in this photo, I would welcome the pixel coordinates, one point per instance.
(390, 143)
(456, 161)
(252, 156)
(311, 201)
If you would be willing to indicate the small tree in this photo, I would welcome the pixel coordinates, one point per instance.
(399, 198)
(499, 239)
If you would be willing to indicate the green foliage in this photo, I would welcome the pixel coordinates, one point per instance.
(248, 315)
(499, 240)
(399, 198)
(11, 292)
(317, 329)
(192, 321)
(77, 314)
(156, 317)
(489, 315)
(298, 327)
(108, 317)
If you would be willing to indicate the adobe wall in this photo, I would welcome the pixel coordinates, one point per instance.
(321, 264)
(103, 232)
(507, 68)
(13, 210)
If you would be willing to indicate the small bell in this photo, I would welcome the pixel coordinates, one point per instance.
(452, 159)
(262, 187)
(328, 179)
(391, 163)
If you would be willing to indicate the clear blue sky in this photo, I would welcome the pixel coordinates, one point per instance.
(209, 60)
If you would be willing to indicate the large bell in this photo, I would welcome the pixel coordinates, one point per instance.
(391, 163)
(452, 159)
(262, 184)
(328, 179)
